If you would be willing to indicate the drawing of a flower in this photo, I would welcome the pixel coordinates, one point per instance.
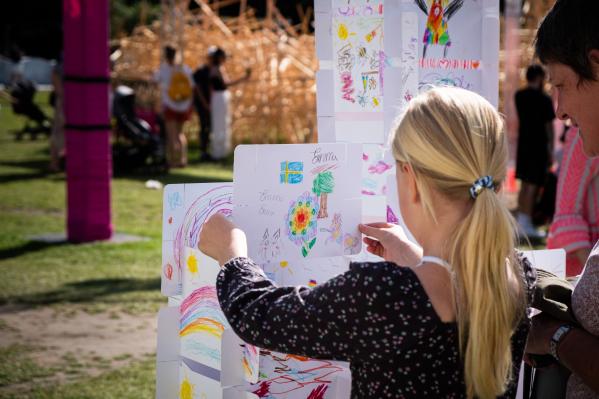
(302, 221)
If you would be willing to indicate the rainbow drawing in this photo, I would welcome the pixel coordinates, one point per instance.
(200, 313)
(216, 200)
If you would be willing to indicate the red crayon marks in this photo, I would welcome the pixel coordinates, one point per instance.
(263, 390)
(446, 63)
(168, 271)
(318, 392)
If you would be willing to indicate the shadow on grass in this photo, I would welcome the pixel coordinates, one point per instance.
(28, 247)
(84, 291)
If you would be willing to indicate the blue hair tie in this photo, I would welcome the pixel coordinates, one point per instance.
(480, 185)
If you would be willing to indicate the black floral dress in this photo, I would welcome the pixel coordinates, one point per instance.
(377, 316)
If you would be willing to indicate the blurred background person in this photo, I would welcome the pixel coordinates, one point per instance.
(57, 135)
(575, 226)
(176, 87)
(535, 146)
(212, 105)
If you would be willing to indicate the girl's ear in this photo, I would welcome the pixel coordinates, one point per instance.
(411, 180)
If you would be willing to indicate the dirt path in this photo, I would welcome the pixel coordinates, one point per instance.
(75, 343)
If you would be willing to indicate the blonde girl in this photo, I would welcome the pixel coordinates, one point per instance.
(447, 321)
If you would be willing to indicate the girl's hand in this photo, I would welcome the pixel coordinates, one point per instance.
(389, 241)
(222, 240)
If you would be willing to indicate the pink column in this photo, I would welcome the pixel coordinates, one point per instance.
(87, 119)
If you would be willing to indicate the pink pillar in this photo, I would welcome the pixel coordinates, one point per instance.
(87, 119)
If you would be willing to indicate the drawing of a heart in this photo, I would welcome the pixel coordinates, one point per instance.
(444, 63)
(475, 64)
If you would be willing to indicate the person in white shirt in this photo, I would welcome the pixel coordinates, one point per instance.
(176, 94)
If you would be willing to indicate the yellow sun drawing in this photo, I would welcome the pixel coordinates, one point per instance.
(342, 32)
(186, 390)
(192, 264)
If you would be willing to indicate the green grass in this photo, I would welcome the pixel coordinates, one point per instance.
(17, 367)
(97, 277)
(133, 382)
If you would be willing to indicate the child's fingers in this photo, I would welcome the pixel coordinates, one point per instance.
(370, 241)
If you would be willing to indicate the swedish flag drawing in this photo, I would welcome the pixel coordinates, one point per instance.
(292, 172)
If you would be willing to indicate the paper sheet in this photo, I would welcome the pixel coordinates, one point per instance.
(304, 195)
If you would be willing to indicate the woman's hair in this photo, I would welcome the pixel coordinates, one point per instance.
(452, 137)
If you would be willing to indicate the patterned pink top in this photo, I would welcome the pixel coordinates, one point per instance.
(576, 222)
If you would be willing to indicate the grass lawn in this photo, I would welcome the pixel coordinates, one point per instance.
(96, 277)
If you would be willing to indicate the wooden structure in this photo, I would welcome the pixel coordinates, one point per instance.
(277, 104)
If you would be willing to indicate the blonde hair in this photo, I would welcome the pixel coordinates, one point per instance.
(452, 137)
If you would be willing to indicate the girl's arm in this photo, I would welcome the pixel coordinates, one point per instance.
(369, 313)
(365, 314)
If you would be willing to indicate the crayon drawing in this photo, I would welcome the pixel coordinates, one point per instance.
(295, 377)
(302, 223)
(322, 186)
(438, 12)
(292, 172)
(435, 79)
(335, 231)
(358, 56)
(185, 209)
(201, 327)
(270, 246)
(290, 221)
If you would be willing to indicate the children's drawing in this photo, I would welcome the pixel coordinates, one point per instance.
(439, 12)
(197, 202)
(174, 200)
(292, 172)
(201, 326)
(250, 361)
(270, 247)
(376, 165)
(335, 232)
(186, 389)
(358, 54)
(435, 79)
(302, 222)
(291, 376)
(391, 217)
(350, 243)
(168, 271)
(323, 185)
(379, 168)
(192, 264)
(284, 221)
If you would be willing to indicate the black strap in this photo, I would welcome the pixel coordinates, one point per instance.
(86, 79)
(86, 128)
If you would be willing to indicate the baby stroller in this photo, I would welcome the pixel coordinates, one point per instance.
(22, 104)
(136, 146)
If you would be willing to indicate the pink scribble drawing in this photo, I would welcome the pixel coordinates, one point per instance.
(348, 87)
(379, 168)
